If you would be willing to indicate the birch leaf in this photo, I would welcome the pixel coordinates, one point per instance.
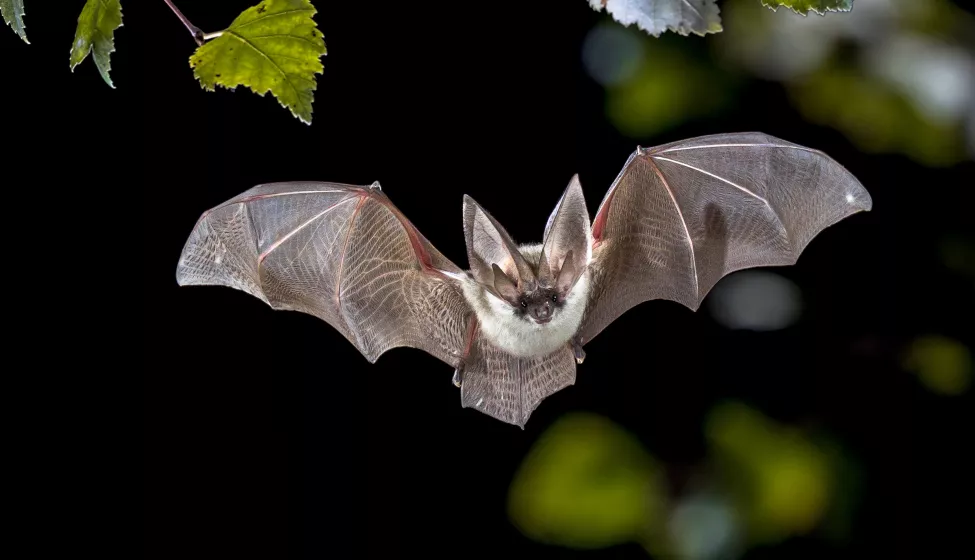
(96, 34)
(804, 6)
(274, 46)
(13, 14)
(657, 16)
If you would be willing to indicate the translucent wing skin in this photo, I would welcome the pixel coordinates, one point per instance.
(681, 216)
(346, 255)
(342, 253)
(510, 388)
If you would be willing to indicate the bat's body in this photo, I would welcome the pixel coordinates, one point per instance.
(516, 335)
(677, 219)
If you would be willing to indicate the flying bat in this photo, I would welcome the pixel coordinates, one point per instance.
(678, 218)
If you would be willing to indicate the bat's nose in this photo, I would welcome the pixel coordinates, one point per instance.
(543, 312)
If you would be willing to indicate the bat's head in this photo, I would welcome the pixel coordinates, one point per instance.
(535, 280)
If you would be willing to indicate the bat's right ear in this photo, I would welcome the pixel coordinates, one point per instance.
(489, 244)
(568, 235)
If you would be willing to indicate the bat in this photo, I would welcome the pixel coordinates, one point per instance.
(677, 218)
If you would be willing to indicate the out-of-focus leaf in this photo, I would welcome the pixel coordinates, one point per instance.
(612, 54)
(587, 483)
(668, 89)
(781, 480)
(657, 16)
(805, 6)
(274, 46)
(943, 365)
(13, 14)
(877, 118)
(96, 32)
(848, 477)
(959, 254)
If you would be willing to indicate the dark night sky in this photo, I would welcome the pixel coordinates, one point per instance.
(266, 431)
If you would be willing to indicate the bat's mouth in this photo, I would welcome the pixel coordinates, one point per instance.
(542, 321)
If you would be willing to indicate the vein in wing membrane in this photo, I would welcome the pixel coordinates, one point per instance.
(681, 216)
(510, 388)
(341, 253)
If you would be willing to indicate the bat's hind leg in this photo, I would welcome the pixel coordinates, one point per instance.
(462, 357)
(577, 350)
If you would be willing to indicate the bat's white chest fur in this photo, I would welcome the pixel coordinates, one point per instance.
(523, 337)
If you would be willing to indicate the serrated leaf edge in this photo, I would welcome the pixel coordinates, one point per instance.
(775, 8)
(104, 72)
(19, 20)
(230, 31)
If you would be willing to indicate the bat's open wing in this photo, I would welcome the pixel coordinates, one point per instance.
(342, 253)
(681, 216)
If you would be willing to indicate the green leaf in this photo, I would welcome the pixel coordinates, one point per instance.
(274, 46)
(657, 16)
(803, 6)
(96, 32)
(13, 14)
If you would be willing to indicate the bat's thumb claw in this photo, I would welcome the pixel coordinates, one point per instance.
(457, 376)
(580, 354)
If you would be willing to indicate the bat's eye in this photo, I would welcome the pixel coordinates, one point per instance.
(555, 298)
(524, 304)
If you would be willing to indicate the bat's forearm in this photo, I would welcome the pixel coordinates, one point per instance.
(468, 345)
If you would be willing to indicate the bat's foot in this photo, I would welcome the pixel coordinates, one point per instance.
(459, 375)
(578, 351)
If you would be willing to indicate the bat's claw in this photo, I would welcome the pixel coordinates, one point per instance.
(578, 351)
(458, 375)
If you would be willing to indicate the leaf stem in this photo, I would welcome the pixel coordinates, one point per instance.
(195, 31)
(214, 35)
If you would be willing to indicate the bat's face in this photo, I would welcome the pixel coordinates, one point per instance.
(534, 280)
(539, 306)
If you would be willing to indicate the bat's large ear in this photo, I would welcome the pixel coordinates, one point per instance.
(567, 245)
(488, 244)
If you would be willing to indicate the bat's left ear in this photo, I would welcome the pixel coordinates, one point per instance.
(568, 235)
(488, 244)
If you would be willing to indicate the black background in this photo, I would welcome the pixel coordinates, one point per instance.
(268, 435)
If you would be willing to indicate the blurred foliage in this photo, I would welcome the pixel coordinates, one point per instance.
(667, 89)
(942, 364)
(817, 6)
(959, 255)
(588, 483)
(782, 481)
(894, 76)
(876, 118)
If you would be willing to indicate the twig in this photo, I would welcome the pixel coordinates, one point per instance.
(195, 31)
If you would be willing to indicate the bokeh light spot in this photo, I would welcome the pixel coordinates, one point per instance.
(942, 364)
(586, 483)
(755, 300)
(611, 54)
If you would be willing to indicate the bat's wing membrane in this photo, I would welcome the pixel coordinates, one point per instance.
(510, 388)
(681, 216)
(342, 253)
